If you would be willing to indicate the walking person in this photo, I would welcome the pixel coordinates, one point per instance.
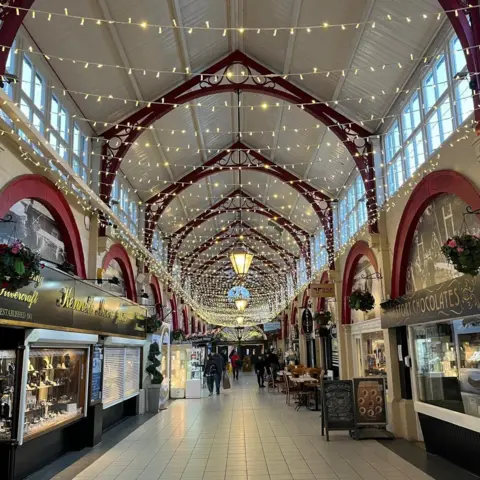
(260, 371)
(220, 367)
(210, 370)
(236, 363)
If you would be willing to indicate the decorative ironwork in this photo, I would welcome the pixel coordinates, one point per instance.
(372, 276)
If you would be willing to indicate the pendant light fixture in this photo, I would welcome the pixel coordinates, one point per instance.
(241, 259)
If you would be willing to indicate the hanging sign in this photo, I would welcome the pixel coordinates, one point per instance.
(322, 290)
(307, 321)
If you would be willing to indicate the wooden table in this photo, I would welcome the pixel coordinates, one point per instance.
(301, 381)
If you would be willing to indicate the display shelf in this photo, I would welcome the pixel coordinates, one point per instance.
(54, 395)
(7, 388)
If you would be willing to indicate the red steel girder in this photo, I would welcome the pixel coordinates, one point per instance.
(287, 260)
(226, 205)
(119, 139)
(229, 232)
(466, 23)
(10, 20)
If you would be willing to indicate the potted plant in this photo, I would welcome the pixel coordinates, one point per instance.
(153, 323)
(156, 378)
(463, 251)
(178, 335)
(18, 266)
(361, 300)
(323, 318)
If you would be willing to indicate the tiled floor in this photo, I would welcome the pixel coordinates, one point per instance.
(244, 434)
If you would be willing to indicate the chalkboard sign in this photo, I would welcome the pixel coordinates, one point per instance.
(370, 407)
(97, 374)
(338, 405)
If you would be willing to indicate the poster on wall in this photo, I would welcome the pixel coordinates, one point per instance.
(97, 374)
(370, 407)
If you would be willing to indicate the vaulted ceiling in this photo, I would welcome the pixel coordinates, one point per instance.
(353, 63)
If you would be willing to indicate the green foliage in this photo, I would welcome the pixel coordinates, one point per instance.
(156, 376)
(18, 265)
(178, 335)
(153, 323)
(361, 300)
(323, 318)
(463, 251)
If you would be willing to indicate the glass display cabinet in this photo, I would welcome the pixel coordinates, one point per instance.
(374, 361)
(178, 370)
(55, 389)
(194, 373)
(7, 387)
(436, 365)
(468, 344)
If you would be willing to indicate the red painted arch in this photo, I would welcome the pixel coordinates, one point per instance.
(118, 253)
(173, 304)
(157, 295)
(322, 300)
(433, 185)
(359, 250)
(305, 298)
(185, 320)
(42, 190)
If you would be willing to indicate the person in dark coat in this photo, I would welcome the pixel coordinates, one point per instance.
(260, 371)
(273, 364)
(220, 364)
(210, 370)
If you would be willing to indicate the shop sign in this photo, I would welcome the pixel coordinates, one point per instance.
(322, 290)
(455, 298)
(59, 301)
(307, 321)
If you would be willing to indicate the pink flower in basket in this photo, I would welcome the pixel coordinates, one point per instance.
(452, 243)
(460, 249)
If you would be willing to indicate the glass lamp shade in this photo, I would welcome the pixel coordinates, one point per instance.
(241, 262)
(241, 304)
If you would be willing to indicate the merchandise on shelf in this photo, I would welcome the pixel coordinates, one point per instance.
(7, 386)
(55, 389)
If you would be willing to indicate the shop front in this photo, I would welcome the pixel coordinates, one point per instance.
(61, 341)
(365, 337)
(436, 319)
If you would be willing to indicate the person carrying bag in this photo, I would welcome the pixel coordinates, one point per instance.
(226, 381)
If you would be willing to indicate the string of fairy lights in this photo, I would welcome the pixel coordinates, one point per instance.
(270, 304)
(85, 20)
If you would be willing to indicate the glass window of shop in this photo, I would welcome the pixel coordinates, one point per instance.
(34, 225)
(447, 358)
(446, 353)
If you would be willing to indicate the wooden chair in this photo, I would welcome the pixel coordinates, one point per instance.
(291, 390)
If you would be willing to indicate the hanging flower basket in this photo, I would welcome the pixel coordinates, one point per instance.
(153, 323)
(323, 318)
(361, 300)
(463, 251)
(178, 335)
(18, 266)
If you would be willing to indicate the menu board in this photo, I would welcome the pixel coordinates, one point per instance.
(97, 374)
(338, 409)
(370, 406)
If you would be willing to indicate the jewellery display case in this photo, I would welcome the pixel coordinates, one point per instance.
(178, 372)
(194, 373)
(55, 388)
(7, 386)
